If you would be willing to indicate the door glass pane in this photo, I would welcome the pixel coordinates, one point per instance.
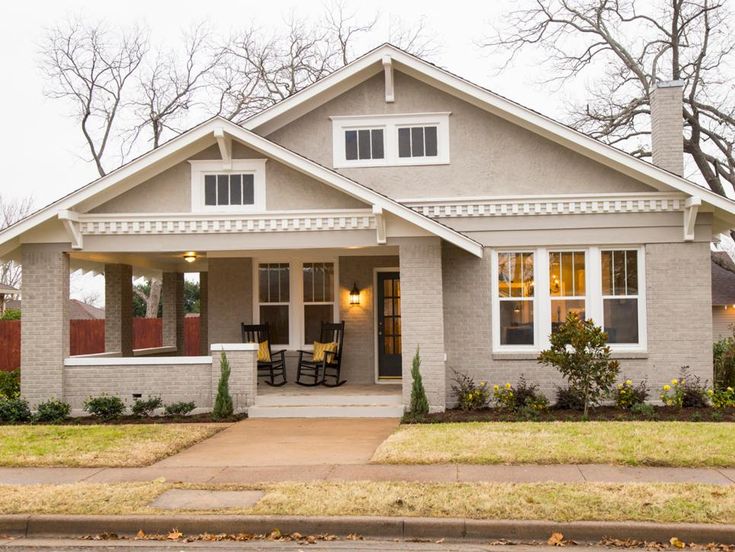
(277, 317)
(430, 137)
(223, 189)
(417, 142)
(351, 145)
(388, 345)
(621, 320)
(363, 144)
(404, 142)
(388, 288)
(516, 322)
(210, 190)
(377, 143)
(397, 326)
(236, 189)
(388, 326)
(248, 189)
(314, 315)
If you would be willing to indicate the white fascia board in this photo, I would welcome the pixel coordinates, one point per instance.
(502, 107)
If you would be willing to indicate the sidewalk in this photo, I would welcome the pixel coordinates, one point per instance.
(442, 473)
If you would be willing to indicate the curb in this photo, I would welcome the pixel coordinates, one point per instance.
(46, 526)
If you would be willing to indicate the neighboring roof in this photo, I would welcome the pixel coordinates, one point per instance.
(4, 288)
(78, 310)
(723, 279)
(263, 145)
(489, 101)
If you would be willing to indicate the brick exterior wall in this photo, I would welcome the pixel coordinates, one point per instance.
(230, 285)
(45, 334)
(358, 359)
(667, 127)
(172, 299)
(679, 321)
(172, 382)
(422, 316)
(119, 309)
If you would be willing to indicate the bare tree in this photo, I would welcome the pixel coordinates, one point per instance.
(11, 211)
(414, 37)
(343, 27)
(90, 67)
(637, 43)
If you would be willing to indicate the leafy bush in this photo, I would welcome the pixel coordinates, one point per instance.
(14, 410)
(580, 352)
(145, 407)
(419, 405)
(673, 394)
(523, 397)
(469, 395)
(687, 391)
(105, 407)
(223, 403)
(52, 411)
(723, 358)
(644, 410)
(11, 314)
(179, 408)
(10, 384)
(568, 398)
(722, 398)
(627, 395)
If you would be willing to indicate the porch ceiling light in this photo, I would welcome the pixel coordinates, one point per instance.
(355, 295)
(190, 256)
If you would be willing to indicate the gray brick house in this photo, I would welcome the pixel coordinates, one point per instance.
(470, 225)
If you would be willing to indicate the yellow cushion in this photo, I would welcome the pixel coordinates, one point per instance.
(264, 352)
(321, 348)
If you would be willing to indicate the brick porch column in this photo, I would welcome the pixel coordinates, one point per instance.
(204, 313)
(172, 299)
(230, 298)
(422, 317)
(119, 309)
(45, 322)
(243, 383)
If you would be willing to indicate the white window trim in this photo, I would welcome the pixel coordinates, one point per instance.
(199, 168)
(390, 125)
(593, 296)
(296, 322)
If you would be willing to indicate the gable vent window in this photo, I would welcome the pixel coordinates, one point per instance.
(364, 144)
(229, 189)
(417, 142)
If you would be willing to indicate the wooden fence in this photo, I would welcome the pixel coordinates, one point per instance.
(88, 336)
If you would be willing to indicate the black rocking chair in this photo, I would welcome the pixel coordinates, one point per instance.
(276, 368)
(311, 373)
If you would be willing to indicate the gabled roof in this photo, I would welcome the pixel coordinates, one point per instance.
(723, 279)
(370, 64)
(257, 143)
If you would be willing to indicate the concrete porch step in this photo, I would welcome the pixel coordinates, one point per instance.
(326, 411)
(326, 399)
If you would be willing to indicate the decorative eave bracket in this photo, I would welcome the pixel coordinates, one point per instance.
(70, 220)
(380, 224)
(224, 141)
(691, 208)
(388, 69)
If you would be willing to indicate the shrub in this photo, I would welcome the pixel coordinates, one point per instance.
(179, 408)
(722, 398)
(627, 395)
(105, 407)
(644, 410)
(11, 314)
(144, 407)
(723, 359)
(223, 403)
(580, 352)
(568, 398)
(52, 411)
(10, 384)
(14, 410)
(419, 406)
(523, 397)
(469, 395)
(687, 391)
(673, 395)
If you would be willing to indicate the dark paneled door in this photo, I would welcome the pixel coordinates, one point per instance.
(389, 325)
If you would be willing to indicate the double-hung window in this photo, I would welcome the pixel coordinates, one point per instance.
(318, 282)
(274, 294)
(620, 301)
(515, 283)
(567, 284)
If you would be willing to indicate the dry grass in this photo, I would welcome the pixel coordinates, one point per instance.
(688, 444)
(670, 503)
(97, 445)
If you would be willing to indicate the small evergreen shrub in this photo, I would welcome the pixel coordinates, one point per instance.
(419, 405)
(14, 411)
(627, 395)
(568, 398)
(52, 411)
(143, 408)
(223, 403)
(469, 395)
(179, 408)
(105, 407)
(10, 384)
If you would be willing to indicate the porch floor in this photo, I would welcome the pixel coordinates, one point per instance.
(293, 390)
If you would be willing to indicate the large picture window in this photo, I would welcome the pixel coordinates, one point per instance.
(620, 295)
(516, 298)
(274, 299)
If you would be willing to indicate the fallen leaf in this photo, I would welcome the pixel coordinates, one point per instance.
(140, 534)
(556, 539)
(677, 543)
(174, 534)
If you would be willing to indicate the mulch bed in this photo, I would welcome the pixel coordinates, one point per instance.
(134, 420)
(603, 413)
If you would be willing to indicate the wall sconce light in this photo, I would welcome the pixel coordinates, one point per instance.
(190, 256)
(355, 295)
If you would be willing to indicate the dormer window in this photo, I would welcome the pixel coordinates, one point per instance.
(239, 187)
(391, 140)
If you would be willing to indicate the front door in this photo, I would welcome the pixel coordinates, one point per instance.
(389, 325)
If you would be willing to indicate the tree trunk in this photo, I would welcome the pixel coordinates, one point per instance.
(153, 300)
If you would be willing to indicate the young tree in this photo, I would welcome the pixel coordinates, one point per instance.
(636, 43)
(580, 352)
(223, 403)
(419, 406)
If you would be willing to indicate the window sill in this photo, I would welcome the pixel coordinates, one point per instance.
(622, 355)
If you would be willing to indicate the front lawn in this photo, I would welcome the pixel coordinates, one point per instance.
(685, 444)
(97, 445)
(664, 503)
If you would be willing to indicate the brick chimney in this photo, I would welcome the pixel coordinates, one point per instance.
(667, 126)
